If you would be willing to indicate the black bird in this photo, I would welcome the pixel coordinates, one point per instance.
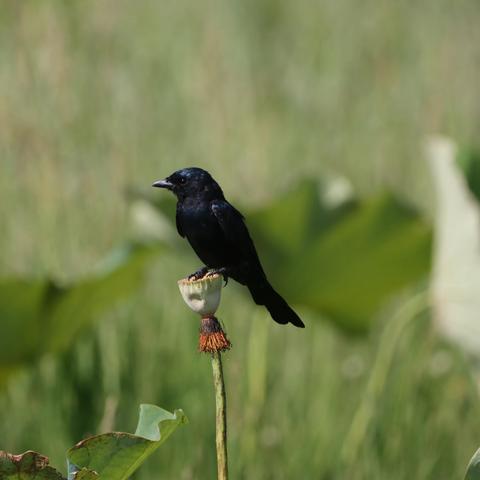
(217, 232)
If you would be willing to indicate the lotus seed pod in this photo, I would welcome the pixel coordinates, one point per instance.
(202, 295)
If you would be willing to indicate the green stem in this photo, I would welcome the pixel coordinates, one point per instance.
(220, 416)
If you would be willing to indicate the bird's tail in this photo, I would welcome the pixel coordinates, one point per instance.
(280, 311)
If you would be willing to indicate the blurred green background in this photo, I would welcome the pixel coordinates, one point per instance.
(100, 98)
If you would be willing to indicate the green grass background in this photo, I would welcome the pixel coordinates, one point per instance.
(97, 96)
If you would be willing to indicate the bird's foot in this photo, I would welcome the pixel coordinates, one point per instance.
(219, 271)
(200, 273)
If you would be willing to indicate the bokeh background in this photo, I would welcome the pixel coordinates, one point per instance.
(100, 98)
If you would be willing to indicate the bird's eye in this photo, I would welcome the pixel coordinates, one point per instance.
(183, 180)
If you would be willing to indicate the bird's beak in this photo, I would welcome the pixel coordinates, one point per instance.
(163, 184)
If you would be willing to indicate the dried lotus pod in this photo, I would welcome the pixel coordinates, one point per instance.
(203, 297)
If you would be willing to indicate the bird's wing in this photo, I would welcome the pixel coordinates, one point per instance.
(179, 223)
(234, 228)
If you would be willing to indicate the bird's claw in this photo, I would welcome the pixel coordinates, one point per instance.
(205, 272)
(219, 271)
(198, 274)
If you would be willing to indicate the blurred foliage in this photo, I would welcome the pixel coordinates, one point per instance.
(96, 96)
(321, 254)
(469, 161)
(39, 316)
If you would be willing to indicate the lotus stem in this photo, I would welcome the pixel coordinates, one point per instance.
(220, 416)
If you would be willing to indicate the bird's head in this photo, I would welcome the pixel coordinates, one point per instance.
(191, 182)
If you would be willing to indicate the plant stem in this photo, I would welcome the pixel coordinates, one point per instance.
(220, 416)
